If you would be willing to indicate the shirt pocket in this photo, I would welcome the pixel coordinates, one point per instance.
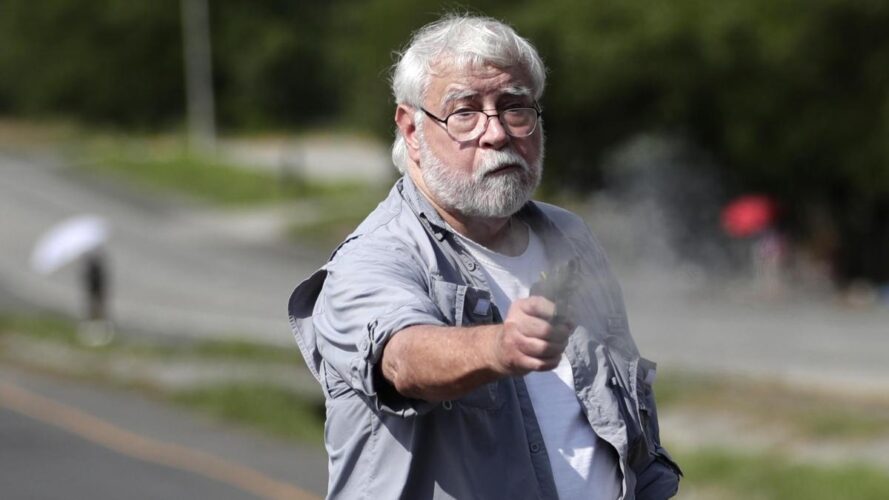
(463, 305)
(645, 372)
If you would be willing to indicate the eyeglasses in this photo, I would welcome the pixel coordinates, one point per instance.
(465, 126)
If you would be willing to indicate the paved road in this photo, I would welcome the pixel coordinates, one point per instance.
(179, 270)
(176, 269)
(61, 439)
(811, 342)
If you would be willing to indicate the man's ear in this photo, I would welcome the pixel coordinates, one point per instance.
(404, 120)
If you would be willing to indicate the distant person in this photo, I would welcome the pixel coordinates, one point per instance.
(95, 285)
(445, 377)
(96, 329)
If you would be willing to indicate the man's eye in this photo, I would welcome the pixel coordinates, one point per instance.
(463, 114)
(514, 105)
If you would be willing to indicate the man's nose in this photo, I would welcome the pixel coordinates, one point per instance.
(494, 135)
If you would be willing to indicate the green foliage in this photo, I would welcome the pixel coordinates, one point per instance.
(789, 97)
(105, 60)
(802, 413)
(268, 408)
(271, 69)
(724, 475)
(44, 327)
(170, 167)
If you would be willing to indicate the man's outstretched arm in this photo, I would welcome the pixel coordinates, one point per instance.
(436, 363)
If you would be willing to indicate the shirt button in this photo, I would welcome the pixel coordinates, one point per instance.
(447, 405)
(364, 345)
(535, 448)
(470, 265)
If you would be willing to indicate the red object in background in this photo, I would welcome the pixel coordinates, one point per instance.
(748, 215)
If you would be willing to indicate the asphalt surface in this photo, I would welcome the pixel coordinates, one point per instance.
(70, 465)
(176, 269)
(184, 270)
(180, 269)
(819, 343)
(64, 439)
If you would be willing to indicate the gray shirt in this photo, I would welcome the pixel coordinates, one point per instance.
(402, 267)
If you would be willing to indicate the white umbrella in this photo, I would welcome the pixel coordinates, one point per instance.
(67, 241)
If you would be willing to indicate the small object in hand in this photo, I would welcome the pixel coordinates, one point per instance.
(560, 286)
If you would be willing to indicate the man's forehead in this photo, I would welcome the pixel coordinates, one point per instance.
(450, 83)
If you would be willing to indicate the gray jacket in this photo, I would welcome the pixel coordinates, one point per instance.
(403, 267)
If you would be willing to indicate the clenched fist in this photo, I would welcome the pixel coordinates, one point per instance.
(529, 339)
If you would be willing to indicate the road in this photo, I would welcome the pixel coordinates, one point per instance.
(62, 439)
(185, 270)
(176, 269)
(815, 343)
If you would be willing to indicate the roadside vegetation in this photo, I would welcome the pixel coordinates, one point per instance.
(721, 474)
(804, 414)
(270, 408)
(164, 162)
(318, 214)
(255, 385)
(247, 387)
(783, 97)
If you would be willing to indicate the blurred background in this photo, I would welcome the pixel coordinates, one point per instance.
(171, 169)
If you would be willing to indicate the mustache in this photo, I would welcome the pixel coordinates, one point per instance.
(495, 160)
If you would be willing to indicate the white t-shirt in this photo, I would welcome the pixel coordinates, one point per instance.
(584, 467)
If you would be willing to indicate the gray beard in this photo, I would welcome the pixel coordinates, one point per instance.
(479, 194)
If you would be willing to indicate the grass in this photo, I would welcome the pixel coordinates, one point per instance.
(810, 415)
(729, 475)
(62, 330)
(220, 350)
(162, 163)
(169, 166)
(274, 410)
(327, 211)
(710, 473)
(266, 406)
(44, 327)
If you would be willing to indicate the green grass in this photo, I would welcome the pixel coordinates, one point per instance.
(729, 475)
(332, 210)
(172, 168)
(265, 406)
(809, 414)
(63, 330)
(219, 350)
(275, 410)
(44, 327)
(241, 350)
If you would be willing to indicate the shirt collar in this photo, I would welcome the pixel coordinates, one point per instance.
(419, 203)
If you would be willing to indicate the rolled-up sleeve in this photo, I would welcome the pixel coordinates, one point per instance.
(372, 291)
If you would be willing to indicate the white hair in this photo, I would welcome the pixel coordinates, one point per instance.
(465, 42)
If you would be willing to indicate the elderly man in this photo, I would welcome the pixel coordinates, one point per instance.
(447, 373)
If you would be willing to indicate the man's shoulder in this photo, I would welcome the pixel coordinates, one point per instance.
(388, 232)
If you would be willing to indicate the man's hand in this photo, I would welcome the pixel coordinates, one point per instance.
(528, 340)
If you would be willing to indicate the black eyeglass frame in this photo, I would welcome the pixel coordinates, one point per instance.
(497, 113)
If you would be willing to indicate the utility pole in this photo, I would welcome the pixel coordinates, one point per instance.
(198, 75)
